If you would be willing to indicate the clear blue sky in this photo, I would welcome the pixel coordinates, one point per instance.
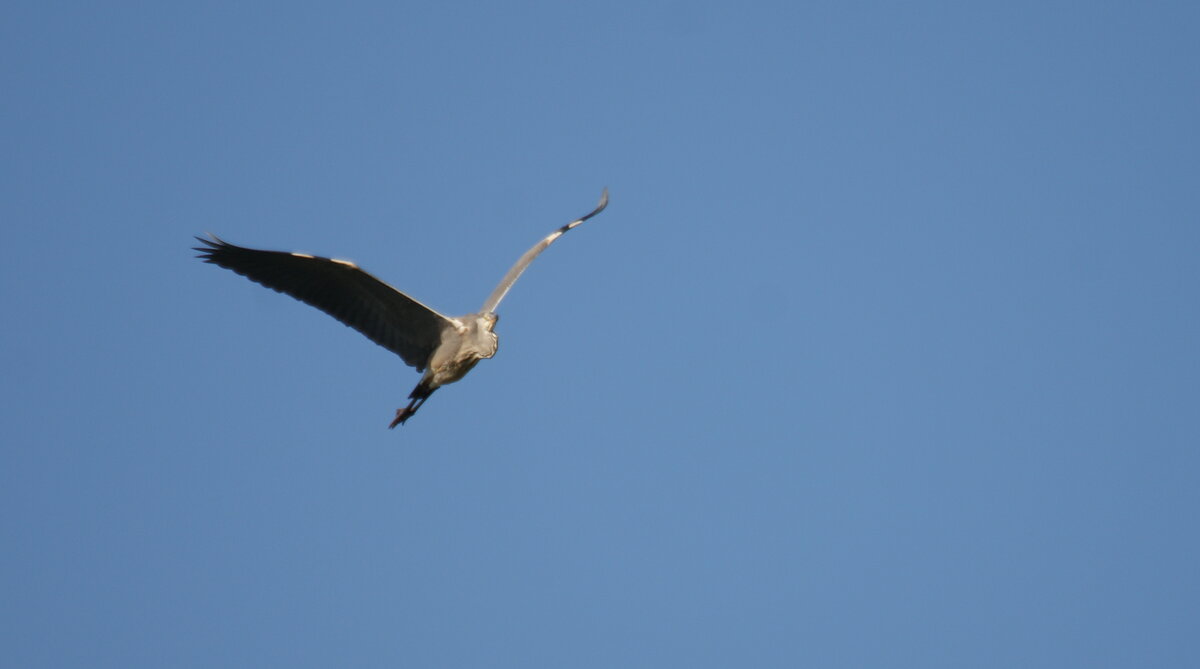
(884, 354)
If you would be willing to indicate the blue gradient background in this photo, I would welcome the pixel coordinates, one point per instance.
(885, 353)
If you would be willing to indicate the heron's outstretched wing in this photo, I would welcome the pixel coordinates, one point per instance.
(515, 271)
(386, 316)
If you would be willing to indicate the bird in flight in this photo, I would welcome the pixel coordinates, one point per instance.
(445, 348)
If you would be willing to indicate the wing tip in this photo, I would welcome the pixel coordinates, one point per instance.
(600, 206)
(212, 245)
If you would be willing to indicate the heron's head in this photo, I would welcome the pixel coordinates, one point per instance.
(488, 320)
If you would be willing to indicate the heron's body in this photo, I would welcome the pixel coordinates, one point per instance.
(442, 347)
(465, 341)
(470, 339)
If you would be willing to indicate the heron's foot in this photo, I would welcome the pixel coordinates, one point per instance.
(402, 414)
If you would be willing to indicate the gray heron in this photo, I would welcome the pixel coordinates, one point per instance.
(445, 348)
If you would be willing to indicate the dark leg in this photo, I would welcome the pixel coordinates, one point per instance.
(416, 399)
(407, 412)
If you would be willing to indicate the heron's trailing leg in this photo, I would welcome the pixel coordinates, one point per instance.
(405, 413)
(416, 399)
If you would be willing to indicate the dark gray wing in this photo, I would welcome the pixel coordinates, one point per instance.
(386, 316)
